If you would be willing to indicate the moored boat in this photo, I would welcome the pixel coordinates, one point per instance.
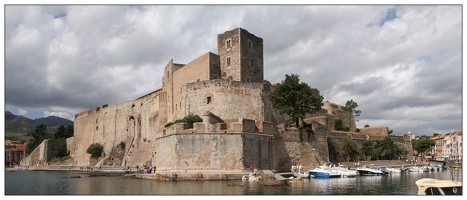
(430, 186)
(366, 171)
(324, 171)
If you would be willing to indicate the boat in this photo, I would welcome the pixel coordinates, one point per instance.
(393, 170)
(367, 171)
(324, 171)
(418, 169)
(431, 186)
(345, 172)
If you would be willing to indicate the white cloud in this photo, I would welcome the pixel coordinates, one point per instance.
(58, 114)
(22, 112)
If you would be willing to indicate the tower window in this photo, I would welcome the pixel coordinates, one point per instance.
(228, 60)
(227, 43)
(250, 44)
(208, 100)
(252, 62)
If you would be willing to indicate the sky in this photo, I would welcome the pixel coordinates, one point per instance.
(402, 64)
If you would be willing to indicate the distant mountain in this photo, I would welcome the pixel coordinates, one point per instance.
(54, 121)
(20, 124)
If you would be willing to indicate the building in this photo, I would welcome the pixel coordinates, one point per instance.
(240, 126)
(455, 145)
(15, 151)
(438, 152)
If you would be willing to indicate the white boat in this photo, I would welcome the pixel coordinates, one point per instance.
(366, 171)
(345, 172)
(430, 186)
(418, 169)
(393, 170)
(324, 171)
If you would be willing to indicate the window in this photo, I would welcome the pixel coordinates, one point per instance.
(247, 79)
(209, 100)
(250, 44)
(228, 60)
(227, 43)
(252, 63)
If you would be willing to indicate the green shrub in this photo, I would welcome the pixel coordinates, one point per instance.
(188, 119)
(95, 150)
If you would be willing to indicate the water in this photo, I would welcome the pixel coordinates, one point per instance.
(60, 183)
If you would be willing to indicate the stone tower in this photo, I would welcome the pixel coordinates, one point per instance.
(241, 56)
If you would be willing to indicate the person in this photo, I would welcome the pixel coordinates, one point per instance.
(251, 167)
(358, 164)
(254, 167)
(154, 169)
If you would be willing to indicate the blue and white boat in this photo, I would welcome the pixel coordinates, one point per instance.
(324, 171)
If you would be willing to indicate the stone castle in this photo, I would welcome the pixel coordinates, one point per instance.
(240, 126)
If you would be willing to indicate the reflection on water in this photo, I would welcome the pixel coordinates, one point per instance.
(59, 182)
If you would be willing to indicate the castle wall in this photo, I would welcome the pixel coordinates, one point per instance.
(197, 70)
(226, 99)
(40, 156)
(132, 122)
(378, 130)
(251, 57)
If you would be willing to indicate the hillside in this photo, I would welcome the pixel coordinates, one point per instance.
(54, 121)
(19, 124)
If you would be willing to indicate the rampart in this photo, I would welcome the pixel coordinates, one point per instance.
(40, 156)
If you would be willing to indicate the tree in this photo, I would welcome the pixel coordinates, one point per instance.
(353, 105)
(58, 147)
(390, 132)
(38, 136)
(388, 150)
(339, 125)
(334, 150)
(423, 144)
(367, 125)
(95, 150)
(296, 98)
(60, 133)
(69, 131)
(350, 149)
(367, 148)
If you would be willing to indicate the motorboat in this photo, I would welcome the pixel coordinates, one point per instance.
(393, 170)
(430, 186)
(324, 171)
(345, 172)
(418, 169)
(367, 171)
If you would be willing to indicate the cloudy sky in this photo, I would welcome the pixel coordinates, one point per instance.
(401, 64)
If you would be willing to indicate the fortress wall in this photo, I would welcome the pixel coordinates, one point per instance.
(40, 156)
(227, 99)
(127, 122)
(270, 114)
(259, 150)
(380, 130)
(290, 150)
(196, 70)
(200, 151)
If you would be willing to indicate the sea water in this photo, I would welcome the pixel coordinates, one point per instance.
(60, 183)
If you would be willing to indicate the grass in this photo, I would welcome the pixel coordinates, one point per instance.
(16, 136)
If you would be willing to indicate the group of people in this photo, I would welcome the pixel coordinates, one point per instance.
(253, 168)
(296, 168)
(146, 169)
